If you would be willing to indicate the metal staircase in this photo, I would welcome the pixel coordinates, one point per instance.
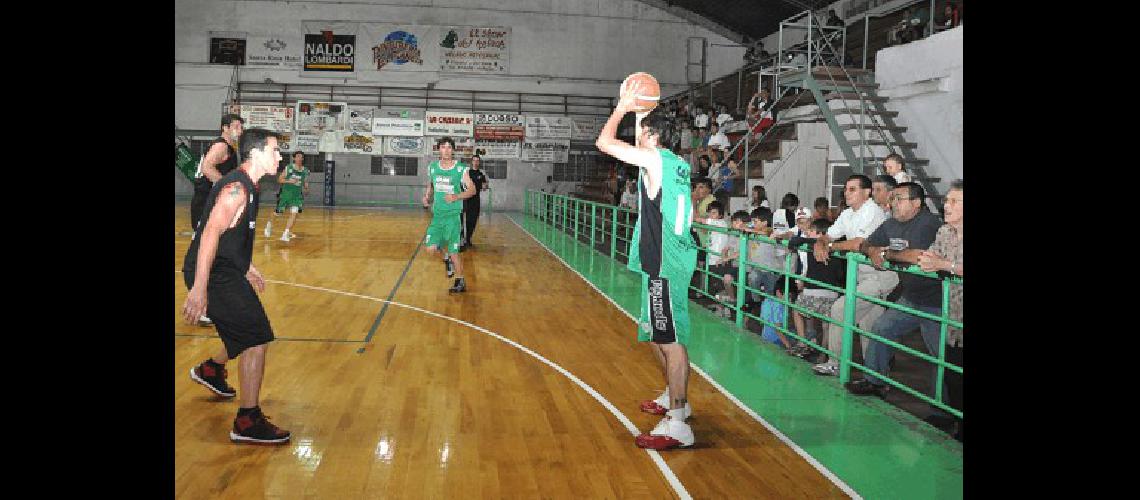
(859, 121)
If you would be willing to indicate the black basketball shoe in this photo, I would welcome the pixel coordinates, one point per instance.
(254, 427)
(459, 286)
(212, 376)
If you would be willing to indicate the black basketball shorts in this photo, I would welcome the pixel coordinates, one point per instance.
(232, 304)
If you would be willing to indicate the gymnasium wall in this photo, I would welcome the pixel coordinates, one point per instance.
(924, 81)
(579, 47)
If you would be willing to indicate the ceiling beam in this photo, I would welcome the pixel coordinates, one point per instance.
(695, 18)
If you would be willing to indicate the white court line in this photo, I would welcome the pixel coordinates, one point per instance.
(665, 470)
(791, 444)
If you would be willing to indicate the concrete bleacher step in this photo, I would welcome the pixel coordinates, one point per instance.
(856, 111)
(907, 145)
(872, 127)
(854, 96)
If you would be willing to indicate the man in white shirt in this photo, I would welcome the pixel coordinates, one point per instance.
(723, 117)
(702, 119)
(856, 223)
(717, 139)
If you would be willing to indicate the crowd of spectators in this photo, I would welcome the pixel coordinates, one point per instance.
(883, 219)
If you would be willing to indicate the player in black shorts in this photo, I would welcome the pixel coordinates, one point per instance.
(219, 160)
(219, 272)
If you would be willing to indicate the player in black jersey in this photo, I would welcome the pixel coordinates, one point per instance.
(219, 272)
(471, 205)
(219, 160)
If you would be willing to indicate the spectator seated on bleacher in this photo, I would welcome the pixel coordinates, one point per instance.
(881, 190)
(759, 113)
(629, 195)
(814, 297)
(728, 267)
(717, 139)
(763, 254)
(895, 166)
(901, 240)
(758, 198)
(702, 198)
(945, 255)
(855, 224)
(951, 17)
(723, 116)
(822, 209)
(773, 312)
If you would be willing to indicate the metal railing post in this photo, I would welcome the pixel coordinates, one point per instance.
(593, 223)
(809, 42)
(930, 25)
(613, 232)
(942, 340)
(848, 321)
(866, 27)
(787, 284)
(576, 217)
(742, 279)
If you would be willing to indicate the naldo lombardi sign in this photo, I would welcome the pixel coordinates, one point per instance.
(329, 52)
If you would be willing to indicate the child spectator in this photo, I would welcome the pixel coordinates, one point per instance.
(729, 266)
(896, 167)
(814, 297)
(629, 195)
(762, 253)
(822, 209)
(773, 313)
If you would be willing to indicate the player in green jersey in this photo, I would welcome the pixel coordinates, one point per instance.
(294, 180)
(663, 252)
(450, 182)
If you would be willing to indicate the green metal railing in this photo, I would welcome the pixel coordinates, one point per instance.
(608, 229)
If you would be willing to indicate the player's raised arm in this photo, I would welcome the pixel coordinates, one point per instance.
(609, 143)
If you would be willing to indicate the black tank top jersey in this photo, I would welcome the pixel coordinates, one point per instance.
(649, 217)
(479, 179)
(224, 167)
(235, 247)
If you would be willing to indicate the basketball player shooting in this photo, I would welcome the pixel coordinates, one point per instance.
(662, 251)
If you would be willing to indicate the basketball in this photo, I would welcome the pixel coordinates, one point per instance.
(648, 94)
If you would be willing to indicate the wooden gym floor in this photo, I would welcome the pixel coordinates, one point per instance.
(433, 395)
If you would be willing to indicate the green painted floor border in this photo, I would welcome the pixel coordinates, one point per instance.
(879, 450)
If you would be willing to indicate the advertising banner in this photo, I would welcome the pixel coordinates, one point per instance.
(546, 150)
(548, 127)
(360, 119)
(359, 143)
(448, 123)
(398, 126)
(274, 52)
(474, 49)
(404, 146)
(498, 149)
(499, 126)
(275, 118)
(329, 50)
(586, 128)
(391, 48)
(306, 141)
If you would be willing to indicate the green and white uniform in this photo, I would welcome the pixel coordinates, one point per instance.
(664, 253)
(444, 231)
(291, 195)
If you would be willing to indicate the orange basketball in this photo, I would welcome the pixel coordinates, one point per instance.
(649, 93)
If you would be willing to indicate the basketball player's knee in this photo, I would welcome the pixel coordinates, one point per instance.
(294, 210)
